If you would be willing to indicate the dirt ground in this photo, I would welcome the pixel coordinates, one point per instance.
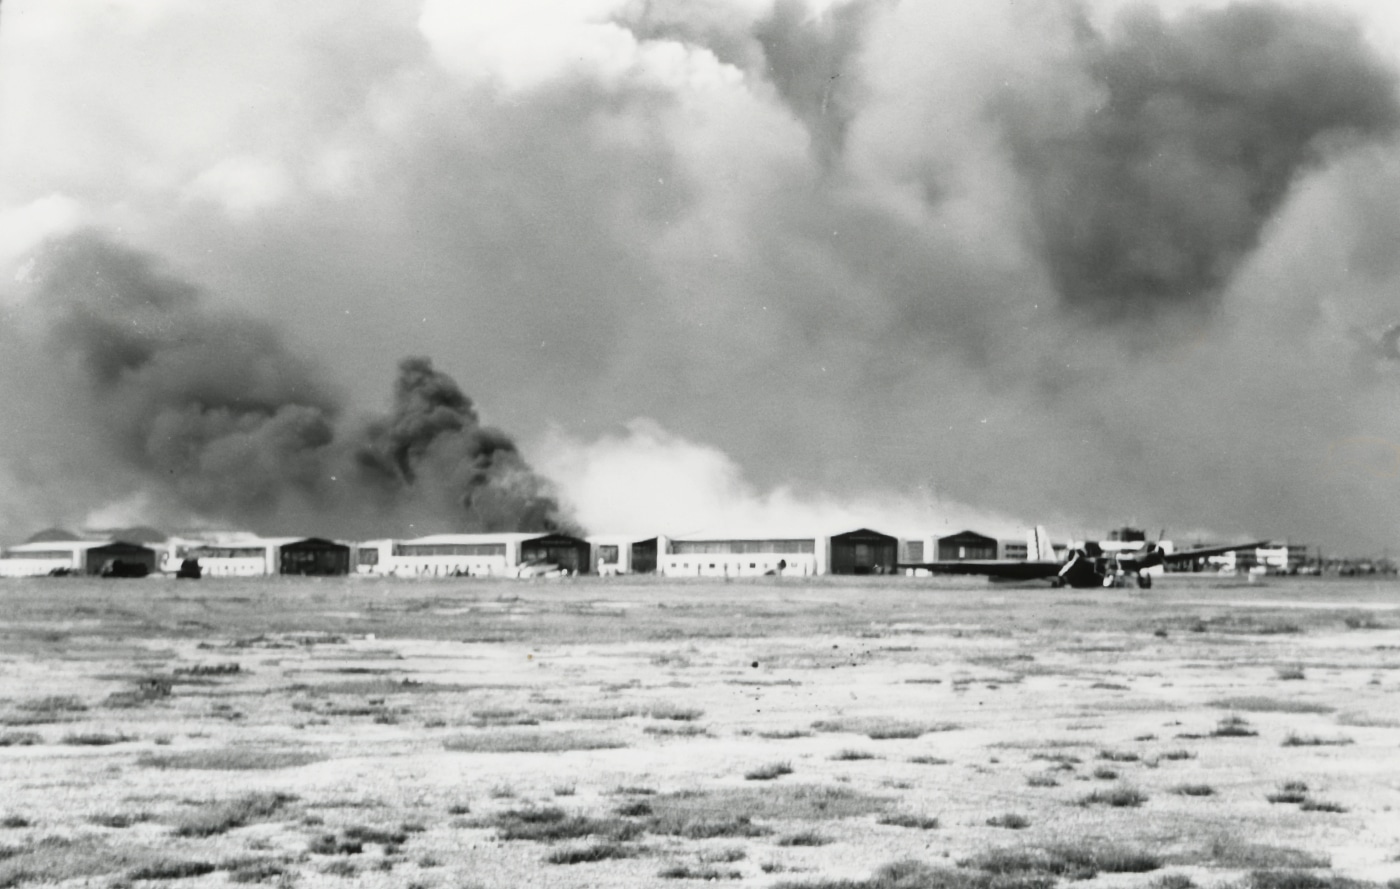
(633, 732)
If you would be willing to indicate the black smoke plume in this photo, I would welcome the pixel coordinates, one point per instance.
(214, 416)
(1152, 197)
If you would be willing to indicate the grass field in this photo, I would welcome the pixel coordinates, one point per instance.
(888, 734)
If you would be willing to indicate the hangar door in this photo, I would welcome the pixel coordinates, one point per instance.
(864, 552)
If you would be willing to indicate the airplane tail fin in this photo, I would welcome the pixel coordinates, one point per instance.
(1038, 547)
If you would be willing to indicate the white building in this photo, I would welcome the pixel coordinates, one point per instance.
(238, 555)
(77, 556)
(743, 556)
(472, 555)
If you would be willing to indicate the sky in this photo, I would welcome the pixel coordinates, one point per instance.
(629, 266)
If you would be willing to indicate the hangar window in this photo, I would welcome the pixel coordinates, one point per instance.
(707, 547)
(41, 554)
(368, 557)
(916, 550)
(607, 554)
(228, 552)
(449, 549)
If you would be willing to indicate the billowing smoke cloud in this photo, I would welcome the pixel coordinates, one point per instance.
(811, 61)
(1194, 133)
(645, 480)
(213, 415)
(1052, 260)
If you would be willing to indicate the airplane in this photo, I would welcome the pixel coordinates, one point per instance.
(1088, 565)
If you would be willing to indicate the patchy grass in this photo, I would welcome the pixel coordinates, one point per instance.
(221, 817)
(1104, 773)
(1363, 621)
(636, 808)
(881, 729)
(928, 761)
(769, 772)
(1117, 797)
(529, 742)
(1317, 805)
(674, 712)
(494, 718)
(1041, 781)
(1233, 852)
(1290, 673)
(330, 844)
(785, 802)
(552, 824)
(1296, 740)
(684, 730)
(230, 759)
(1302, 879)
(602, 714)
(707, 828)
(97, 739)
(593, 852)
(785, 734)
(1233, 727)
(20, 739)
(1177, 755)
(1009, 821)
(171, 869)
(848, 755)
(632, 790)
(1289, 792)
(119, 820)
(254, 870)
(915, 822)
(1075, 862)
(918, 875)
(1358, 719)
(53, 704)
(708, 873)
(1118, 756)
(61, 859)
(1193, 790)
(1265, 704)
(804, 838)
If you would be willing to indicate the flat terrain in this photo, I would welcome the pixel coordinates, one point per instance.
(631, 732)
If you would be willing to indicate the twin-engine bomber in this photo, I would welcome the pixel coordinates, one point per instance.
(1088, 565)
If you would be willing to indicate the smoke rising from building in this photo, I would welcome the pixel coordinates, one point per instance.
(1084, 264)
(213, 416)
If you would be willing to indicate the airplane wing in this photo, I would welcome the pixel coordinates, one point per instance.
(1005, 568)
(1189, 554)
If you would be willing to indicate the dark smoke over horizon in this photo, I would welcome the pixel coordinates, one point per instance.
(1153, 196)
(1078, 263)
(214, 418)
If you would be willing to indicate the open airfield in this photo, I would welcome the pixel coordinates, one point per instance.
(858, 732)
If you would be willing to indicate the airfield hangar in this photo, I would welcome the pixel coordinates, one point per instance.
(472, 555)
(862, 551)
(966, 545)
(78, 557)
(249, 556)
(623, 555)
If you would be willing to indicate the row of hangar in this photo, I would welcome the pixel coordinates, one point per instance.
(861, 551)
